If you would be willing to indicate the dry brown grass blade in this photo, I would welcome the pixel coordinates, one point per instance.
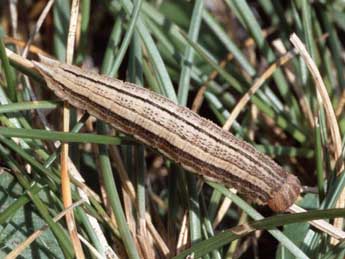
(14, 17)
(200, 94)
(20, 43)
(20, 248)
(302, 99)
(128, 204)
(223, 209)
(72, 31)
(156, 236)
(92, 249)
(37, 27)
(21, 61)
(199, 98)
(321, 224)
(324, 98)
(331, 119)
(253, 89)
(144, 239)
(145, 244)
(341, 104)
(182, 240)
(65, 180)
(254, 114)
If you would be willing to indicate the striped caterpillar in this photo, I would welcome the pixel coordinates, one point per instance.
(198, 144)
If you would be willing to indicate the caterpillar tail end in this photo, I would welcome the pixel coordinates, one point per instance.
(286, 195)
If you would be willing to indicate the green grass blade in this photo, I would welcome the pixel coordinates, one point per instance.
(9, 72)
(114, 199)
(58, 231)
(112, 47)
(61, 13)
(25, 106)
(187, 60)
(125, 43)
(268, 223)
(61, 136)
(157, 61)
(228, 43)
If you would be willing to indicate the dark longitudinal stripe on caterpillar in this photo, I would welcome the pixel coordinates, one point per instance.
(199, 145)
